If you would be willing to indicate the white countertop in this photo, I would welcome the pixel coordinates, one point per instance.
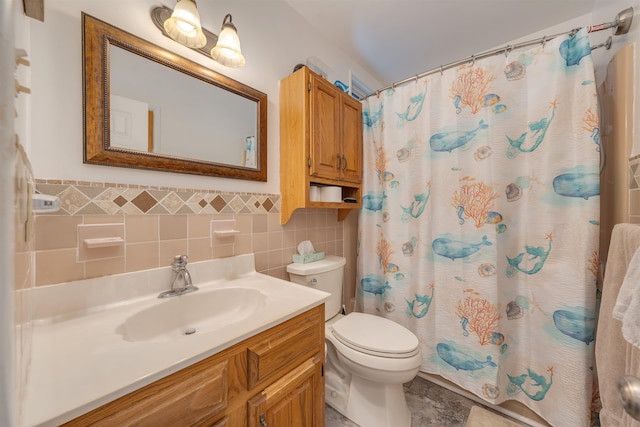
(79, 362)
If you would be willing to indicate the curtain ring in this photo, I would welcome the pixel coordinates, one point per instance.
(473, 60)
(544, 41)
(507, 51)
(416, 79)
(441, 71)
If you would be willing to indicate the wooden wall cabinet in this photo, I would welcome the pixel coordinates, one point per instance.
(320, 143)
(272, 379)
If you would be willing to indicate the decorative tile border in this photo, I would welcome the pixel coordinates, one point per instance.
(634, 173)
(96, 198)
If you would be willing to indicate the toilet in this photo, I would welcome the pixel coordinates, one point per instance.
(368, 358)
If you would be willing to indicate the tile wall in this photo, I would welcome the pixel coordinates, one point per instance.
(162, 222)
(634, 190)
(23, 247)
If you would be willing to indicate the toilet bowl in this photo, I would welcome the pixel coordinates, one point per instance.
(368, 358)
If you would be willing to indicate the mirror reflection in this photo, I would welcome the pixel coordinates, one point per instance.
(157, 109)
(146, 107)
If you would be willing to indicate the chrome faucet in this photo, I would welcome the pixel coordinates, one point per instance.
(182, 280)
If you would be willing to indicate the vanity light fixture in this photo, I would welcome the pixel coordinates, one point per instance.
(183, 26)
(227, 50)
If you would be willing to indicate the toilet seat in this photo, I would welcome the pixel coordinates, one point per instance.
(375, 336)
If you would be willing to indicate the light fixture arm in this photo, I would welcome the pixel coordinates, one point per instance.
(229, 23)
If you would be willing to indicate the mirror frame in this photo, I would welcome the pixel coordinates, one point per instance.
(97, 36)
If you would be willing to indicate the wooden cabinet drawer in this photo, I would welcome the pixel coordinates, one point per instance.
(286, 348)
(189, 397)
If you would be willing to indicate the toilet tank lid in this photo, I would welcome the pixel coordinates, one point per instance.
(327, 264)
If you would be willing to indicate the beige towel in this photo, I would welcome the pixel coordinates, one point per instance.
(615, 357)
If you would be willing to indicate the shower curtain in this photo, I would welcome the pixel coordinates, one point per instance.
(479, 227)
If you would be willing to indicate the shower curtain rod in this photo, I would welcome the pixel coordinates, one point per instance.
(621, 23)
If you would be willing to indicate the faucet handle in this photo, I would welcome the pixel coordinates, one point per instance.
(180, 260)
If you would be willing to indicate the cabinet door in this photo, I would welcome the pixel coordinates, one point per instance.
(351, 169)
(296, 400)
(325, 129)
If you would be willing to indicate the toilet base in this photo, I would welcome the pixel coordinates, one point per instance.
(369, 403)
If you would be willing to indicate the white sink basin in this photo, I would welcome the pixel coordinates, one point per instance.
(192, 314)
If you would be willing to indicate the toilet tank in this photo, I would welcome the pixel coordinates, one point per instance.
(326, 275)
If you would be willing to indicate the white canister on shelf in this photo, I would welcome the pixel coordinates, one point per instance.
(331, 194)
(314, 193)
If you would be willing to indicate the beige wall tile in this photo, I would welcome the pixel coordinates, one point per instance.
(299, 219)
(259, 223)
(289, 226)
(103, 219)
(153, 240)
(634, 202)
(243, 244)
(329, 234)
(287, 253)
(243, 223)
(329, 248)
(142, 256)
(279, 273)
(199, 225)
(223, 251)
(173, 227)
(23, 268)
(56, 232)
(171, 248)
(317, 219)
(273, 222)
(301, 236)
(332, 217)
(289, 239)
(104, 267)
(275, 259)
(260, 242)
(57, 266)
(315, 235)
(141, 228)
(274, 240)
(321, 247)
(261, 261)
(200, 249)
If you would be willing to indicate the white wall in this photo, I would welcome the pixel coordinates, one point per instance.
(605, 11)
(7, 155)
(274, 39)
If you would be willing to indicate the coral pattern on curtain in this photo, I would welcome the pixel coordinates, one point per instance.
(479, 227)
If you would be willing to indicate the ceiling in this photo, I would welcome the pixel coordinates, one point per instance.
(397, 39)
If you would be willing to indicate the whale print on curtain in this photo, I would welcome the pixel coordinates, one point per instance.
(479, 226)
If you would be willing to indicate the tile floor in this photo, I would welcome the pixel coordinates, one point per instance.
(430, 404)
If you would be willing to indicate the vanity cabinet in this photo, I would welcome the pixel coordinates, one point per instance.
(275, 377)
(320, 143)
(291, 400)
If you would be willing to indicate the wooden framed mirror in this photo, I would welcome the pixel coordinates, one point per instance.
(146, 107)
